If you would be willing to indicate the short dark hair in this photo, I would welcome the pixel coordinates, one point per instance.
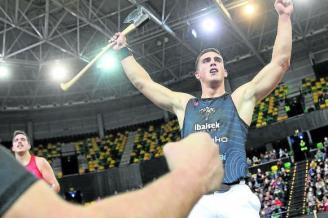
(20, 132)
(205, 51)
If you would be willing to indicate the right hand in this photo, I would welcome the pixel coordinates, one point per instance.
(197, 153)
(119, 41)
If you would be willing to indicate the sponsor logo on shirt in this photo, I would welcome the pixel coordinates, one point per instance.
(207, 126)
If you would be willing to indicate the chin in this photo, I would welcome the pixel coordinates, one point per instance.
(215, 81)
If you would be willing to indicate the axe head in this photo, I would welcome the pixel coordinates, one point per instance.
(137, 17)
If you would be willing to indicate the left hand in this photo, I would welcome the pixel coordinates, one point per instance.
(284, 7)
(119, 41)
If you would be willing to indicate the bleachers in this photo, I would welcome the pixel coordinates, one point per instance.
(52, 153)
(318, 90)
(94, 154)
(149, 141)
(275, 107)
(272, 108)
(103, 153)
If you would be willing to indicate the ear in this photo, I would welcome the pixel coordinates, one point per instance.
(12, 148)
(197, 75)
(225, 73)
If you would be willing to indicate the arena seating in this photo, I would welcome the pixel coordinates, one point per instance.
(94, 154)
(148, 142)
(272, 108)
(317, 185)
(317, 91)
(102, 153)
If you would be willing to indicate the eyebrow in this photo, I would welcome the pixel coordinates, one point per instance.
(20, 138)
(216, 58)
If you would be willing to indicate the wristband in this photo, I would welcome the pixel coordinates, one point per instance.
(123, 53)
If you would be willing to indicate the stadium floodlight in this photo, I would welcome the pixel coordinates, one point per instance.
(4, 72)
(58, 72)
(108, 62)
(209, 25)
(250, 9)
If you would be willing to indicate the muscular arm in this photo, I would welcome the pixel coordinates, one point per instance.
(271, 75)
(48, 174)
(171, 196)
(161, 96)
(195, 171)
(246, 96)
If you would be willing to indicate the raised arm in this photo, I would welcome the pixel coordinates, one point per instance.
(161, 96)
(246, 96)
(271, 75)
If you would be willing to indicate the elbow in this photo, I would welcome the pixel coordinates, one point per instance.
(139, 84)
(284, 63)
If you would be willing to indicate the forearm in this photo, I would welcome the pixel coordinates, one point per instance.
(171, 196)
(134, 71)
(283, 44)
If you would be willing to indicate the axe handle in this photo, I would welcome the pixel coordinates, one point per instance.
(65, 86)
(128, 29)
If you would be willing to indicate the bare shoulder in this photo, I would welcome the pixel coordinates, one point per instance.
(182, 100)
(180, 109)
(184, 97)
(244, 100)
(41, 161)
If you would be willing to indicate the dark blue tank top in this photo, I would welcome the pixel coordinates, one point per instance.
(219, 117)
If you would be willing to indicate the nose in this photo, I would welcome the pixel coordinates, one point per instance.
(213, 64)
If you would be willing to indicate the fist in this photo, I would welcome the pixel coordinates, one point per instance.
(119, 41)
(197, 153)
(284, 7)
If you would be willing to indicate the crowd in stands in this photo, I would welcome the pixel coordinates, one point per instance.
(266, 157)
(317, 183)
(271, 187)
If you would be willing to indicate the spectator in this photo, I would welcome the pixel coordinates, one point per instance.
(283, 153)
(271, 188)
(249, 162)
(255, 160)
(325, 143)
(320, 156)
(317, 185)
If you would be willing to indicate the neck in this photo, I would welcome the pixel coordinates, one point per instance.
(23, 158)
(212, 92)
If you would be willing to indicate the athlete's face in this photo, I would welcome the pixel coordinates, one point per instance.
(210, 68)
(20, 144)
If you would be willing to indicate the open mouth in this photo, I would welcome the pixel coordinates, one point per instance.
(214, 70)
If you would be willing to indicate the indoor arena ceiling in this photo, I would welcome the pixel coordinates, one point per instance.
(37, 34)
